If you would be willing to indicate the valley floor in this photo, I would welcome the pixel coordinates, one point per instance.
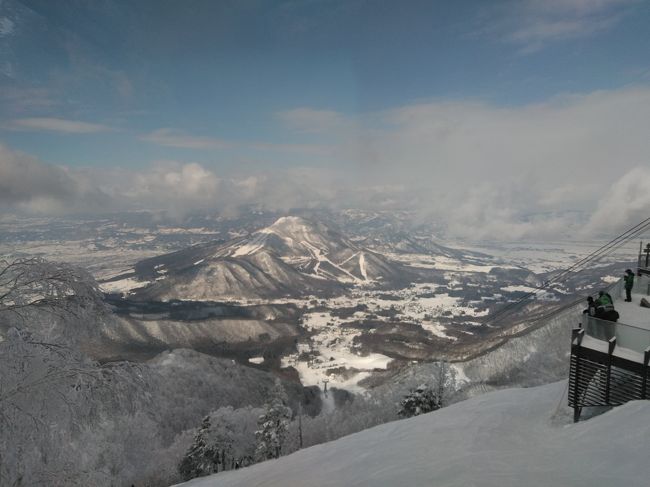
(508, 438)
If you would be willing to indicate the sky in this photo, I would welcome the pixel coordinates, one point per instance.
(519, 118)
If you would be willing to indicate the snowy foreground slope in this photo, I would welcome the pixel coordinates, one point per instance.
(514, 437)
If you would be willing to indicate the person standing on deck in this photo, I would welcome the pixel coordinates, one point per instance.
(629, 284)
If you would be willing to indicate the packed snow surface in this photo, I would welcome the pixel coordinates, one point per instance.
(509, 438)
(633, 313)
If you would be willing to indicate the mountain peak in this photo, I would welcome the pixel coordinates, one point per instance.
(291, 223)
(295, 228)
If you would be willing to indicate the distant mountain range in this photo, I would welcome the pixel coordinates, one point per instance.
(293, 257)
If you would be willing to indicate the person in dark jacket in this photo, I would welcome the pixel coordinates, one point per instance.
(629, 284)
(591, 307)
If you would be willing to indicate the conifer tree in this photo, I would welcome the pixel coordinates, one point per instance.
(273, 425)
(202, 457)
(419, 401)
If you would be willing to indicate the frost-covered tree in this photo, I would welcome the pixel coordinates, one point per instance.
(419, 401)
(58, 302)
(45, 383)
(225, 440)
(46, 308)
(273, 425)
(204, 455)
(44, 389)
(49, 390)
(243, 424)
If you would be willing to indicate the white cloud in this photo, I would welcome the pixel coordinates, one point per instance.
(32, 186)
(533, 24)
(174, 186)
(577, 140)
(625, 204)
(29, 185)
(510, 171)
(494, 212)
(310, 120)
(20, 99)
(58, 125)
(485, 171)
(172, 138)
(305, 149)
(6, 26)
(23, 178)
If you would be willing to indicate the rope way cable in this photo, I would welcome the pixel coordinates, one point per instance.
(603, 251)
(612, 244)
(606, 249)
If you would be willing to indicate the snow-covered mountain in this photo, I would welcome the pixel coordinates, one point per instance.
(509, 438)
(292, 257)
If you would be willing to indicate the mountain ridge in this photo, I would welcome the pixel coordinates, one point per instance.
(293, 257)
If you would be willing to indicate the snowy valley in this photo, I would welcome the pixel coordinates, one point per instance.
(298, 297)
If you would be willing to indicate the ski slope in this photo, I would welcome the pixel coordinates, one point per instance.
(508, 438)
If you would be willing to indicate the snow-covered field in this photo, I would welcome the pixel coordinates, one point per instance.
(544, 256)
(331, 348)
(508, 438)
(439, 262)
(331, 345)
(122, 286)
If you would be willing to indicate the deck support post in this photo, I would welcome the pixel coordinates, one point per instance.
(610, 351)
(577, 332)
(576, 413)
(644, 384)
(576, 337)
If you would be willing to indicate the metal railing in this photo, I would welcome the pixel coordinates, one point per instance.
(632, 337)
(628, 336)
(642, 285)
(604, 330)
(644, 263)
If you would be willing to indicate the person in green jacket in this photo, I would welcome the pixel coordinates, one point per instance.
(629, 284)
(605, 300)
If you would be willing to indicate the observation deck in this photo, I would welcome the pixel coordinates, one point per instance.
(609, 360)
